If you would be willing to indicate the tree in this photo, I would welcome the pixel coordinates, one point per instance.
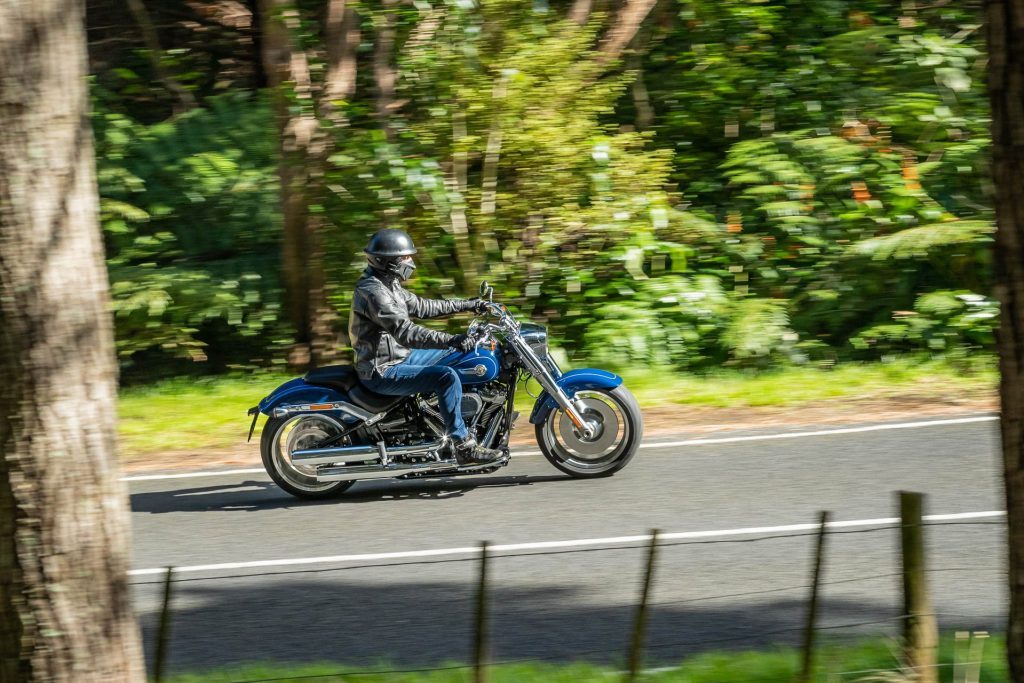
(306, 110)
(1006, 90)
(65, 612)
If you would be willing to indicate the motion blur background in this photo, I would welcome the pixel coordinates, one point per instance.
(666, 183)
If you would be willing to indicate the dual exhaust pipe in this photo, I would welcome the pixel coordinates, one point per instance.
(370, 462)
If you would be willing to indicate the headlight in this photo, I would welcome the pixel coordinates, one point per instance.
(537, 338)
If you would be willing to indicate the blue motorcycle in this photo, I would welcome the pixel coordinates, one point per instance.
(326, 431)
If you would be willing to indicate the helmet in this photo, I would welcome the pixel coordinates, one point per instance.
(385, 250)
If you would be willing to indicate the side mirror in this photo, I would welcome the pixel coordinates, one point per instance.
(486, 291)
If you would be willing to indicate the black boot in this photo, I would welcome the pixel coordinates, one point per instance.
(469, 452)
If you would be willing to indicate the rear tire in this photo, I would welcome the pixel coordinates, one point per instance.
(611, 449)
(281, 435)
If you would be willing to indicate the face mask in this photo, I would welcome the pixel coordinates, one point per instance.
(404, 269)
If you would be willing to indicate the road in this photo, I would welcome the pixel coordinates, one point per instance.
(386, 573)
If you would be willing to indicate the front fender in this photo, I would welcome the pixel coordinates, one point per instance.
(570, 383)
(298, 391)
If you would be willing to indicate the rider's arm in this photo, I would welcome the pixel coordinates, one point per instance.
(386, 313)
(433, 308)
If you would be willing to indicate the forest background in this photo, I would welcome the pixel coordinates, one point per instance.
(665, 183)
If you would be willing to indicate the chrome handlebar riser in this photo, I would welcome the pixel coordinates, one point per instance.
(510, 327)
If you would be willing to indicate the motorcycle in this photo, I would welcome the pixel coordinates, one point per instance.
(326, 431)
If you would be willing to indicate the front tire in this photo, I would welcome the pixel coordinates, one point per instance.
(283, 435)
(616, 442)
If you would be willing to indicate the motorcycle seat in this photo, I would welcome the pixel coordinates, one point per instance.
(340, 377)
(372, 401)
(344, 378)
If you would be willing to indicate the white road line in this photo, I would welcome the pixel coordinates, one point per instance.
(547, 545)
(189, 475)
(655, 444)
(824, 432)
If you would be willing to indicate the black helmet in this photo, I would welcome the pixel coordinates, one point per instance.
(390, 242)
(385, 250)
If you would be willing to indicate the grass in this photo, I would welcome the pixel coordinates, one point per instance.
(800, 385)
(773, 666)
(190, 414)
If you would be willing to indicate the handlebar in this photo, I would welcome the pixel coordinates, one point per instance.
(480, 331)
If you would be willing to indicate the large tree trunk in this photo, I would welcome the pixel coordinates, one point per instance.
(1006, 89)
(65, 613)
(303, 150)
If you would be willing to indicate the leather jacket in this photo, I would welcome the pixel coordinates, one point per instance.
(380, 327)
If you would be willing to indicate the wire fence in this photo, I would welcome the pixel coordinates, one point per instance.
(482, 557)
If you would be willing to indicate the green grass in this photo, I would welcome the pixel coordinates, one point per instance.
(799, 385)
(773, 666)
(190, 415)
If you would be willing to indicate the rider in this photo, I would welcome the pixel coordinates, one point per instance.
(382, 334)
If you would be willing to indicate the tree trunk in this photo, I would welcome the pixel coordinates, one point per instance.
(342, 37)
(155, 53)
(627, 22)
(579, 13)
(303, 151)
(65, 611)
(1006, 90)
(384, 73)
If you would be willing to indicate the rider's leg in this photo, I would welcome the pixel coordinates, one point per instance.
(426, 356)
(405, 380)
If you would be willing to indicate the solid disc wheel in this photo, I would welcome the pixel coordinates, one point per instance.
(619, 429)
(281, 436)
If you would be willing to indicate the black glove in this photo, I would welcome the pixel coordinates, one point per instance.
(462, 342)
(478, 306)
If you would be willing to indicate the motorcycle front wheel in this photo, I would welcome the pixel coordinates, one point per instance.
(283, 435)
(620, 430)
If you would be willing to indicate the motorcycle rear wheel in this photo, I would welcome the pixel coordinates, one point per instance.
(283, 435)
(621, 429)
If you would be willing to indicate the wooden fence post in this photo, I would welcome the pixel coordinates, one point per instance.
(812, 607)
(163, 633)
(920, 630)
(636, 646)
(972, 673)
(480, 639)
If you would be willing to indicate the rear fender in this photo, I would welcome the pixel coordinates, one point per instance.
(570, 383)
(296, 391)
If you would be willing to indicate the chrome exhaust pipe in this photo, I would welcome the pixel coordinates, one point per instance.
(357, 472)
(327, 456)
(324, 456)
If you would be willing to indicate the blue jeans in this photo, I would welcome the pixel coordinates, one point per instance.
(418, 374)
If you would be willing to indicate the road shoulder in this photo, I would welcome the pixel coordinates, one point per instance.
(660, 423)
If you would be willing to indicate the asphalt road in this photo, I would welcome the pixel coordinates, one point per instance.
(728, 588)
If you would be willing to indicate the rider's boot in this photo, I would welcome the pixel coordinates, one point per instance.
(469, 452)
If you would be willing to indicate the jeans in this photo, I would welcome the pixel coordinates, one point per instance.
(418, 374)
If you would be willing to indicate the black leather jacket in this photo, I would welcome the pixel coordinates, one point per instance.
(380, 327)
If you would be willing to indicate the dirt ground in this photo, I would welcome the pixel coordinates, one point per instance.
(660, 422)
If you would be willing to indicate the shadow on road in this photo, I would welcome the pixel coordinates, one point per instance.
(429, 623)
(256, 496)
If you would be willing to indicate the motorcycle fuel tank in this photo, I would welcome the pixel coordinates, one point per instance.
(474, 367)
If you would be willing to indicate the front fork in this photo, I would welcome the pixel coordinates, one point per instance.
(570, 406)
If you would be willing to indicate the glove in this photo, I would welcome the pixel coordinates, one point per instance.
(462, 342)
(478, 306)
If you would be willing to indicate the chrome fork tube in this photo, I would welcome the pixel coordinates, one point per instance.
(540, 371)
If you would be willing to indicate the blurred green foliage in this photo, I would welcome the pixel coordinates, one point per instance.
(752, 184)
(189, 214)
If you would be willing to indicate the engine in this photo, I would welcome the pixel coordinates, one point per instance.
(423, 422)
